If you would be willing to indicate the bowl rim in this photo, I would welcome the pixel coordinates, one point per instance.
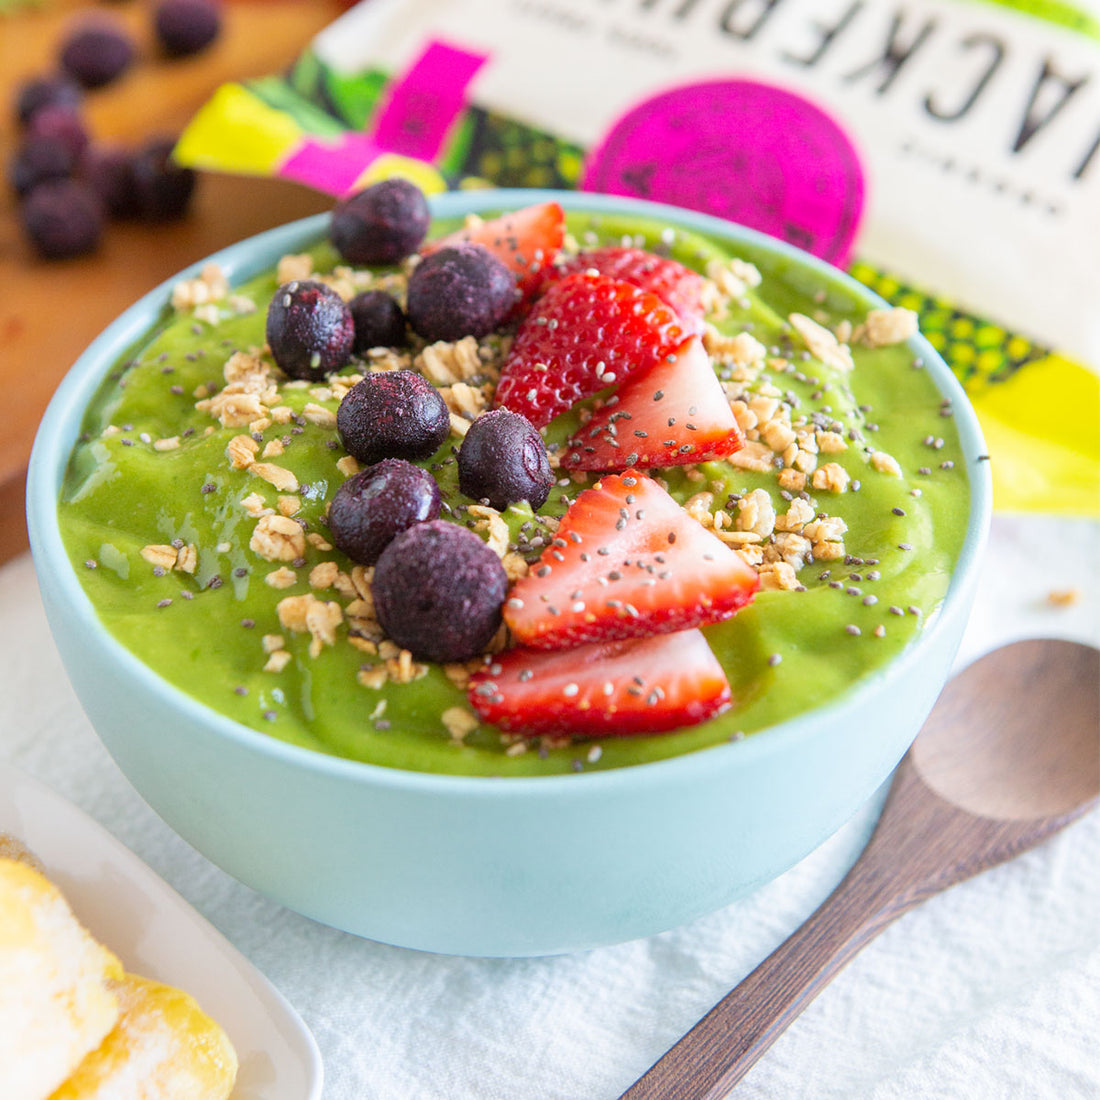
(60, 426)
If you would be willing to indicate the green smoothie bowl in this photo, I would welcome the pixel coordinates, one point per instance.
(772, 602)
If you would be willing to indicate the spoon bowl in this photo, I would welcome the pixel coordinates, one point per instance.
(1028, 713)
(1009, 755)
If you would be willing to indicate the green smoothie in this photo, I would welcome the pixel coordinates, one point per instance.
(193, 510)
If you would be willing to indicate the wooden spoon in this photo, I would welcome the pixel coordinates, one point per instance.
(1009, 755)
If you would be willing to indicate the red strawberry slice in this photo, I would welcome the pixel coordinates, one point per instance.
(526, 240)
(644, 685)
(676, 285)
(627, 561)
(674, 414)
(585, 333)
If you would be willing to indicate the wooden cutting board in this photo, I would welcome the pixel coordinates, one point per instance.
(50, 311)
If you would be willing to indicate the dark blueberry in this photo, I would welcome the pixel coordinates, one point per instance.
(110, 174)
(97, 53)
(382, 224)
(379, 321)
(309, 329)
(45, 91)
(438, 591)
(38, 160)
(459, 291)
(186, 26)
(372, 508)
(163, 187)
(503, 459)
(62, 218)
(61, 123)
(392, 414)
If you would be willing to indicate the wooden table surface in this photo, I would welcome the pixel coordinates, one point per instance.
(50, 311)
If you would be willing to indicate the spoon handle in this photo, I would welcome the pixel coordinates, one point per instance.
(894, 873)
(711, 1058)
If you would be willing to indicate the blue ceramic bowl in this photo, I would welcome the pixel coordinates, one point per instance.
(481, 866)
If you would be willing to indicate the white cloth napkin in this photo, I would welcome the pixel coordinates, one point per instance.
(990, 991)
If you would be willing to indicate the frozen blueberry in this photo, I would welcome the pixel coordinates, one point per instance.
(38, 160)
(375, 505)
(162, 187)
(45, 91)
(379, 321)
(97, 53)
(503, 459)
(438, 591)
(393, 414)
(62, 218)
(459, 291)
(382, 224)
(309, 329)
(110, 174)
(186, 26)
(61, 123)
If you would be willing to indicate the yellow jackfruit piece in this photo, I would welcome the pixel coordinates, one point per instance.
(56, 997)
(164, 1047)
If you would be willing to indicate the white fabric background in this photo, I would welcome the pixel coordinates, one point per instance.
(988, 992)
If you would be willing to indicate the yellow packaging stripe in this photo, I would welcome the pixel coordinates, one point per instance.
(237, 132)
(1042, 426)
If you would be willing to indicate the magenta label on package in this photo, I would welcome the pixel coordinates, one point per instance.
(329, 166)
(422, 106)
(425, 102)
(748, 152)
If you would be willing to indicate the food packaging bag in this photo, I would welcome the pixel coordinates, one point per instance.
(945, 152)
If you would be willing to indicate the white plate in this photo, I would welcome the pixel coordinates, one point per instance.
(158, 935)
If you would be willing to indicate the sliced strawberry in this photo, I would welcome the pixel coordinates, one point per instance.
(627, 561)
(526, 240)
(674, 414)
(585, 333)
(644, 685)
(676, 285)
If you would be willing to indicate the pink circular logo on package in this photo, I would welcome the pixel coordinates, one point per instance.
(750, 153)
